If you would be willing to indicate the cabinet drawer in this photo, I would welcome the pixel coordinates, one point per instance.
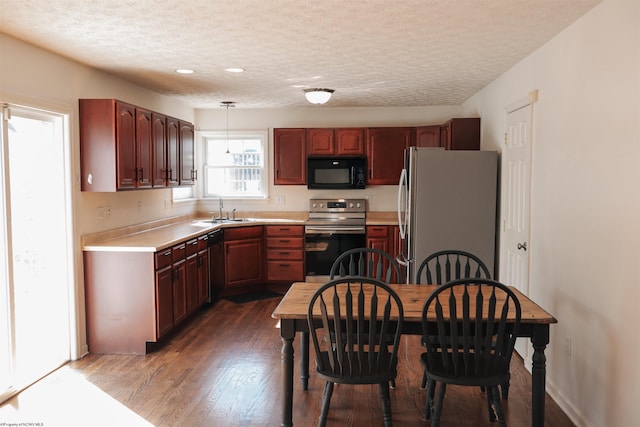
(192, 247)
(377, 231)
(203, 242)
(297, 254)
(178, 252)
(286, 271)
(284, 230)
(163, 259)
(238, 233)
(285, 242)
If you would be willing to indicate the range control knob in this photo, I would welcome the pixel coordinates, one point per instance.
(351, 205)
(358, 205)
(314, 205)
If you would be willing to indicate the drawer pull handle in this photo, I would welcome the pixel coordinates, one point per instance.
(284, 265)
(168, 253)
(283, 253)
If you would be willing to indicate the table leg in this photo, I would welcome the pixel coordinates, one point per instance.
(304, 360)
(287, 334)
(539, 339)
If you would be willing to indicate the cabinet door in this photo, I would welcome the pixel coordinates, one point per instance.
(188, 173)
(173, 151)
(350, 142)
(203, 277)
(192, 285)
(385, 154)
(179, 292)
(126, 143)
(164, 301)
(290, 156)
(428, 136)
(144, 148)
(462, 134)
(320, 142)
(159, 140)
(243, 262)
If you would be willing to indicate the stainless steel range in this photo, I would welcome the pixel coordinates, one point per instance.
(334, 226)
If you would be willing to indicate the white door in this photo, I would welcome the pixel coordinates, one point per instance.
(35, 244)
(514, 252)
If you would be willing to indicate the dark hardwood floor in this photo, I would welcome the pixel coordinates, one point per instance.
(223, 369)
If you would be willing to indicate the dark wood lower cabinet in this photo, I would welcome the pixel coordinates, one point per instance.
(242, 258)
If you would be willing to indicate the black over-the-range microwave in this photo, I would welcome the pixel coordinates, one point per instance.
(336, 172)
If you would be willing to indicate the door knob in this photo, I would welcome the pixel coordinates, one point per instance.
(522, 246)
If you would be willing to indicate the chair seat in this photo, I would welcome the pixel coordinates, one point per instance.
(491, 370)
(363, 372)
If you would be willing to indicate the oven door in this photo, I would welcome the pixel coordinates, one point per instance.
(322, 247)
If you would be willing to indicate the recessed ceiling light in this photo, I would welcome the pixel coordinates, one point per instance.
(234, 69)
(184, 71)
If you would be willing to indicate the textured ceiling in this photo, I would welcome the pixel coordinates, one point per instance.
(372, 52)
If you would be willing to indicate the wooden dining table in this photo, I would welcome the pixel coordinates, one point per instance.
(292, 316)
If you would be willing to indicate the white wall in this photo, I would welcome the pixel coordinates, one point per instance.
(585, 217)
(37, 78)
(296, 197)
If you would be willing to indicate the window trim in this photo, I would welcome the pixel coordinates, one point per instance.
(263, 135)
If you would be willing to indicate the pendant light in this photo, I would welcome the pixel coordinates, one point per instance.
(227, 105)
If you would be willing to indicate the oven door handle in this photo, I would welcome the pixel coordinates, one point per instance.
(333, 230)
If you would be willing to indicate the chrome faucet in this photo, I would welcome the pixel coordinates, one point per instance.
(233, 214)
(220, 206)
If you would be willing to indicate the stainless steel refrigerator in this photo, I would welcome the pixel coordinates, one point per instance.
(447, 200)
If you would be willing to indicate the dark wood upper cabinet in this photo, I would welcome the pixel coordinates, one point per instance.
(124, 147)
(428, 136)
(350, 142)
(144, 148)
(173, 151)
(290, 156)
(125, 128)
(159, 141)
(385, 153)
(188, 172)
(335, 142)
(320, 142)
(461, 134)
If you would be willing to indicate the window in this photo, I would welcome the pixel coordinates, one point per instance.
(235, 167)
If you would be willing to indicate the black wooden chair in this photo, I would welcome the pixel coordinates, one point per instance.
(349, 320)
(444, 266)
(447, 265)
(366, 262)
(475, 340)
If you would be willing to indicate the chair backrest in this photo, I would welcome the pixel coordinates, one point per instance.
(478, 318)
(355, 325)
(366, 262)
(444, 266)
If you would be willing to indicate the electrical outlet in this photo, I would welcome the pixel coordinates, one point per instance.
(139, 207)
(567, 346)
(279, 200)
(107, 212)
(101, 213)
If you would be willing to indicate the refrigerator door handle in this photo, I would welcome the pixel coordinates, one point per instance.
(402, 222)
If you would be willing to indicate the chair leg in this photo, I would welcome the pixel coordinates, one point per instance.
(431, 388)
(386, 404)
(435, 420)
(505, 388)
(497, 406)
(326, 400)
(423, 384)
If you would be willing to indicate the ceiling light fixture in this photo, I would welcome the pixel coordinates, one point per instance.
(234, 70)
(227, 105)
(184, 71)
(318, 95)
